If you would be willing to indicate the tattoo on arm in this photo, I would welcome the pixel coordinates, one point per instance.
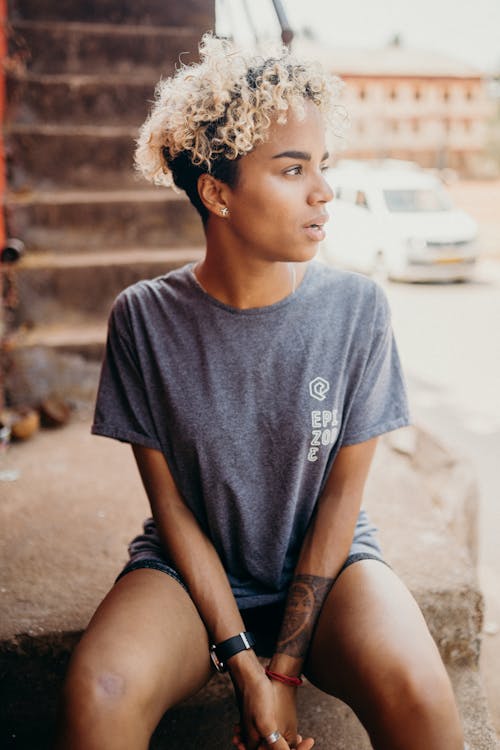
(305, 599)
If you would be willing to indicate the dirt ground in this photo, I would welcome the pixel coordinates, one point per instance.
(481, 198)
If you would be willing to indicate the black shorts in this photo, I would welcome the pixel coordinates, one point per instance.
(264, 621)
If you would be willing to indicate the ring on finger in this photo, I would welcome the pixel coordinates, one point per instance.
(272, 738)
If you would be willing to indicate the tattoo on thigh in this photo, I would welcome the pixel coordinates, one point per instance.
(305, 599)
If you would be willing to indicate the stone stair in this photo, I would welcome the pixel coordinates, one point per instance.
(80, 80)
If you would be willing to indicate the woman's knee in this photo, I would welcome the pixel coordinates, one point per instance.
(98, 691)
(420, 688)
(416, 699)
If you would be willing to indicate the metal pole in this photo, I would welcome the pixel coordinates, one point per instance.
(286, 30)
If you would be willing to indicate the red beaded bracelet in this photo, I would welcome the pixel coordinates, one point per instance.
(284, 678)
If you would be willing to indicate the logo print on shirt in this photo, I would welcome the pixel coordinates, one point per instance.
(318, 388)
(324, 431)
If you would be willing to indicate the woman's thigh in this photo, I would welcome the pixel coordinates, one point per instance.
(145, 649)
(373, 650)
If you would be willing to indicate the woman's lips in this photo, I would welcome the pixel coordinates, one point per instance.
(315, 228)
(315, 232)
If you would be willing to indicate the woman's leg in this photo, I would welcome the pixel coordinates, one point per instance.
(144, 650)
(372, 649)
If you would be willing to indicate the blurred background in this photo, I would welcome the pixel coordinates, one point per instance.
(416, 175)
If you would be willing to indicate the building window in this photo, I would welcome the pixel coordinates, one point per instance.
(361, 199)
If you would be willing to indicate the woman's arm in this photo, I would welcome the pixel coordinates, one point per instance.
(192, 552)
(197, 561)
(325, 548)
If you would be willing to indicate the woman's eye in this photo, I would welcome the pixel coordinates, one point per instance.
(294, 170)
(324, 168)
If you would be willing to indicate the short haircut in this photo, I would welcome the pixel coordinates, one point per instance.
(210, 114)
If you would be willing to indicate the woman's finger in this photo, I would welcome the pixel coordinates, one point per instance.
(279, 744)
(305, 744)
(238, 742)
(237, 739)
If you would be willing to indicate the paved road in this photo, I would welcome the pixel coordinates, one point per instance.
(449, 341)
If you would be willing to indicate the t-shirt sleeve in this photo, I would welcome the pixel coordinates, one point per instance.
(379, 403)
(122, 410)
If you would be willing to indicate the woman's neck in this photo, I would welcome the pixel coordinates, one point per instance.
(247, 284)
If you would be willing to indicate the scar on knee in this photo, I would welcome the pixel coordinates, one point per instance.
(113, 685)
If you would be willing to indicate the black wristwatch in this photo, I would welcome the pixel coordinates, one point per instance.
(221, 652)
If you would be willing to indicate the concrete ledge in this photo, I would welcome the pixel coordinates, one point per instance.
(213, 712)
(77, 502)
(423, 499)
(329, 721)
(39, 372)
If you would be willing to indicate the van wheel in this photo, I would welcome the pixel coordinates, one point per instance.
(379, 269)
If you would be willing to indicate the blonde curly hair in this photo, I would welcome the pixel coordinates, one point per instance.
(211, 113)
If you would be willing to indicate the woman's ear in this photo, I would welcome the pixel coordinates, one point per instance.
(213, 194)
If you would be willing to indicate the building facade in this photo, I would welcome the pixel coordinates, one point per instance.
(407, 104)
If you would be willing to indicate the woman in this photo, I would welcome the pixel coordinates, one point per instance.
(252, 387)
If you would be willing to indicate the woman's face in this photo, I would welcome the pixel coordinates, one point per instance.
(277, 209)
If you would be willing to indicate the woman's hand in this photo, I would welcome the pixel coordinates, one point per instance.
(267, 707)
(285, 703)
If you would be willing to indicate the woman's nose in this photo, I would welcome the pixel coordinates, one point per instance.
(322, 191)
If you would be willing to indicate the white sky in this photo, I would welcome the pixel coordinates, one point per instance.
(468, 30)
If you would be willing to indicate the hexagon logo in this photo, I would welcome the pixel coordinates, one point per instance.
(318, 388)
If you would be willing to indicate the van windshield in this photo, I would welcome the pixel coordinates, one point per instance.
(419, 200)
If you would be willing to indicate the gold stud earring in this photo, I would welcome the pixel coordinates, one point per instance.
(224, 212)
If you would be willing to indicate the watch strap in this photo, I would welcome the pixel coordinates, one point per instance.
(223, 651)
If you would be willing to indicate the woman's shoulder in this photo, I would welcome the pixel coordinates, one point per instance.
(348, 290)
(147, 294)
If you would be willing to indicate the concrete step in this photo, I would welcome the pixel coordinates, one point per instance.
(197, 13)
(69, 156)
(419, 495)
(58, 359)
(54, 288)
(329, 721)
(212, 714)
(60, 322)
(74, 335)
(71, 47)
(72, 221)
(79, 99)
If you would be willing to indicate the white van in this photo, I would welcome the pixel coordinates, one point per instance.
(397, 221)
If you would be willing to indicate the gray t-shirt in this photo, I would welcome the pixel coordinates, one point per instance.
(250, 407)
